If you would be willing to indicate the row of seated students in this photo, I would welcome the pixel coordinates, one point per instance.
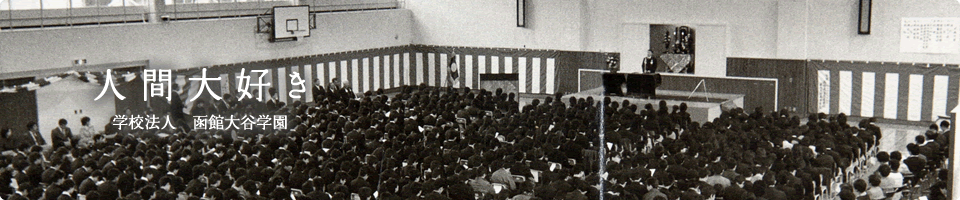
(896, 173)
(442, 143)
(736, 156)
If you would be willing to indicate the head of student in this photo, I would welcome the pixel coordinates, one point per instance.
(32, 126)
(85, 121)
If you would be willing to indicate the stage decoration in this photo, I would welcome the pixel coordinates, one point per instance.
(613, 64)
(683, 37)
(89, 77)
(676, 62)
(667, 41)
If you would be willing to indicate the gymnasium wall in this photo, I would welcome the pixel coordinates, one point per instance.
(831, 30)
(551, 24)
(901, 91)
(187, 44)
(772, 29)
(791, 75)
(741, 27)
(884, 90)
(391, 67)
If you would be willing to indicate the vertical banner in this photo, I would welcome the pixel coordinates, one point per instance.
(332, 68)
(344, 71)
(405, 70)
(890, 95)
(397, 72)
(495, 65)
(365, 76)
(282, 84)
(468, 69)
(846, 92)
(508, 65)
(522, 75)
(823, 91)
(939, 101)
(376, 74)
(914, 97)
(224, 84)
(551, 75)
(431, 69)
(354, 75)
(534, 68)
(308, 82)
(442, 68)
(419, 70)
(867, 94)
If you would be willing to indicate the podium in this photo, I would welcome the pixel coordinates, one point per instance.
(612, 83)
(642, 85)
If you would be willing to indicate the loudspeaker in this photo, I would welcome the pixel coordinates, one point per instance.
(521, 15)
(863, 25)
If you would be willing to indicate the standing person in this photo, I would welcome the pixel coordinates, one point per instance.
(274, 103)
(318, 90)
(32, 137)
(336, 93)
(86, 132)
(62, 136)
(176, 107)
(649, 63)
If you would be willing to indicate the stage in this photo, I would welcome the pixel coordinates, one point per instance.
(702, 106)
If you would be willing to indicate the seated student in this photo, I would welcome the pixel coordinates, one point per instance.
(882, 157)
(890, 181)
(62, 136)
(861, 189)
(897, 157)
(274, 103)
(939, 190)
(875, 192)
(86, 132)
(916, 162)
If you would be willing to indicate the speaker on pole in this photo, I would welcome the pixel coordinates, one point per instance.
(863, 25)
(521, 14)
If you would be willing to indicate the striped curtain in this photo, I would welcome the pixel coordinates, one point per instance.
(387, 68)
(901, 91)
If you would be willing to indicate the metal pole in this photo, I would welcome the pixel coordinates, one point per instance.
(603, 149)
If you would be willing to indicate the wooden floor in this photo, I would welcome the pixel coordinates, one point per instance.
(897, 136)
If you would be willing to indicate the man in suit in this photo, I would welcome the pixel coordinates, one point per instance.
(225, 104)
(61, 136)
(32, 137)
(274, 103)
(318, 90)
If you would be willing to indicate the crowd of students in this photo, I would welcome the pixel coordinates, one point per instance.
(896, 173)
(443, 143)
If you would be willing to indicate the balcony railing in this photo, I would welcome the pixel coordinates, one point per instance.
(21, 14)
